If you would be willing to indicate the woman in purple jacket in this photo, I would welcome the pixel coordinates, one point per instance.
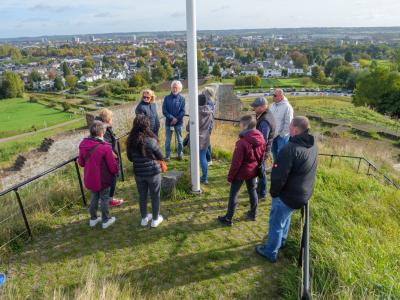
(100, 168)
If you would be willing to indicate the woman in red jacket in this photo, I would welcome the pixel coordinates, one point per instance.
(249, 152)
(100, 167)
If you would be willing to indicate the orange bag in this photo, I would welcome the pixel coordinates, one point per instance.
(163, 166)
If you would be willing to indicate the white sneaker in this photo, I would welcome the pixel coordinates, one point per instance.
(146, 220)
(157, 222)
(93, 223)
(109, 222)
(210, 163)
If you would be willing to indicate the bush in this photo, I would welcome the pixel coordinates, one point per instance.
(33, 99)
(69, 97)
(251, 80)
(66, 106)
(86, 102)
(107, 102)
(51, 104)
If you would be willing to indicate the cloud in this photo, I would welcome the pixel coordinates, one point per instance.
(177, 14)
(46, 7)
(221, 8)
(104, 15)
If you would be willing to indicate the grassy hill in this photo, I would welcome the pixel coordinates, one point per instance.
(19, 116)
(355, 234)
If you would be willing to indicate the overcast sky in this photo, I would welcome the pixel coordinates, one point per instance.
(44, 17)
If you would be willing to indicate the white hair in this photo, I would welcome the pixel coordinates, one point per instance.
(209, 93)
(178, 84)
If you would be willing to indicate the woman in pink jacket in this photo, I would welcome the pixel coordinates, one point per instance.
(100, 167)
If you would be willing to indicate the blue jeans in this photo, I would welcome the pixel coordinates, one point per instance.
(262, 183)
(277, 145)
(204, 164)
(209, 153)
(279, 223)
(168, 137)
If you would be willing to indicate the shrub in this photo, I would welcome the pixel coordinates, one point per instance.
(66, 106)
(86, 102)
(51, 104)
(33, 99)
(107, 102)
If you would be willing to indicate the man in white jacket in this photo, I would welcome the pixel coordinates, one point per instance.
(283, 114)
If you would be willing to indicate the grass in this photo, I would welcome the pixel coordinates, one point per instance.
(355, 234)
(339, 108)
(19, 116)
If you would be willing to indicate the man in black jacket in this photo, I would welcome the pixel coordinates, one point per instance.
(292, 184)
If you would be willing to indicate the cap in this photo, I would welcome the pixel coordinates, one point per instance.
(260, 101)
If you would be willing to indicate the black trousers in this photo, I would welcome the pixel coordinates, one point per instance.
(233, 197)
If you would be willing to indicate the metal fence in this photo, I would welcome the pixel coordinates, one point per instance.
(304, 257)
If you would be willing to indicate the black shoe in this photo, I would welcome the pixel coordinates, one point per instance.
(250, 216)
(180, 157)
(224, 220)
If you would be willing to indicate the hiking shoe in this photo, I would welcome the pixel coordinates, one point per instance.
(167, 158)
(262, 198)
(260, 251)
(225, 221)
(114, 202)
(146, 220)
(157, 222)
(210, 163)
(93, 223)
(180, 157)
(108, 223)
(204, 181)
(249, 216)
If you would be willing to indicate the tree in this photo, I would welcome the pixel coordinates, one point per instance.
(299, 59)
(140, 63)
(137, 80)
(72, 81)
(88, 63)
(343, 76)
(202, 68)
(66, 106)
(158, 73)
(58, 84)
(260, 72)
(66, 69)
(216, 70)
(12, 85)
(251, 80)
(332, 64)
(34, 77)
(348, 56)
(379, 88)
(317, 74)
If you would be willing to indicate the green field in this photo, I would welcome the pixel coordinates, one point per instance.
(19, 116)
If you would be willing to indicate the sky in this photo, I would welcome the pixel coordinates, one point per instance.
(44, 17)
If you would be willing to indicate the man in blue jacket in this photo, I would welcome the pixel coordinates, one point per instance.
(174, 111)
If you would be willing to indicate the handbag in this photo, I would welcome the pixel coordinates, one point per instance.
(163, 166)
(260, 166)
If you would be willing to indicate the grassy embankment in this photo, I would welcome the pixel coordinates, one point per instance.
(355, 236)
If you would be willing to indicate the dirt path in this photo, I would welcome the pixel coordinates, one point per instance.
(15, 137)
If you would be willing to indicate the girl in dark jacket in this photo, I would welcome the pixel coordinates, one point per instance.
(143, 150)
(249, 153)
(148, 108)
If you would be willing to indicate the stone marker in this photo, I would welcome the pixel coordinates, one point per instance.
(170, 180)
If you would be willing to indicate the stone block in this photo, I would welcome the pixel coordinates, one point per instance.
(170, 180)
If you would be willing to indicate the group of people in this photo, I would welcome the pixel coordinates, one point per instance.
(273, 131)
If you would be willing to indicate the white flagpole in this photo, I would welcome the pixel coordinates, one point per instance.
(193, 94)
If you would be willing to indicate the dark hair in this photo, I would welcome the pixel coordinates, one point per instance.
(96, 128)
(301, 123)
(202, 100)
(248, 121)
(137, 137)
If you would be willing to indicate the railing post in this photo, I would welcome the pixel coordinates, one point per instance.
(359, 164)
(21, 207)
(369, 166)
(121, 166)
(78, 173)
(306, 255)
(330, 164)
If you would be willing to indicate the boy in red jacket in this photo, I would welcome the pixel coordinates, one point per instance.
(100, 167)
(249, 153)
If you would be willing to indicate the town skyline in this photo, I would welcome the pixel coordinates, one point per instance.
(30, 18)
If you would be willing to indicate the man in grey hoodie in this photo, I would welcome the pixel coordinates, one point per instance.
(283, 114)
